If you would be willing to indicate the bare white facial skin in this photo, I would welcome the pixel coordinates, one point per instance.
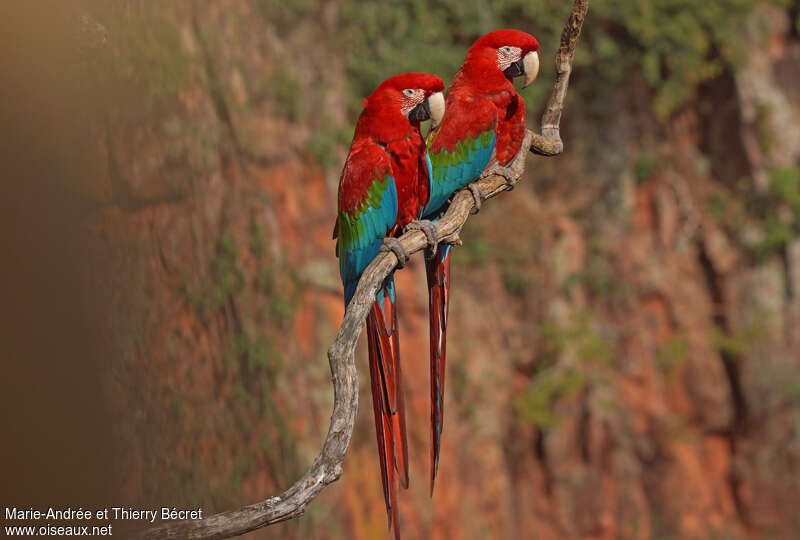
(411, 98)
(507, 55)
(531, 65)
(436, 103)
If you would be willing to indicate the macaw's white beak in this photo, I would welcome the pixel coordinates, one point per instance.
(531, 67)
(436, 103)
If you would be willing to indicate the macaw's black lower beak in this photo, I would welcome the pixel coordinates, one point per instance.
(515, 70)
(420, 113)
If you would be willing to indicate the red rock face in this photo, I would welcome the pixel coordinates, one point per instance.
(620, 363)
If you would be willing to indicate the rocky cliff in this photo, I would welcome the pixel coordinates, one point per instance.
(623, 348)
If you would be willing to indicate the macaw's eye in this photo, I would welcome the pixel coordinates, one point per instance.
(408, 92)
(506, 49)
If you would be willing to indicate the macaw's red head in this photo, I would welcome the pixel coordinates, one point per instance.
(402, 102)
(506, 53)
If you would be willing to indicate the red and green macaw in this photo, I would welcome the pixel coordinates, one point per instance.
(384, 186)
(482, 129)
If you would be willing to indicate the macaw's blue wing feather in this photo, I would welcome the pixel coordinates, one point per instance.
(455, 168)
(461, 147)
(367, 212)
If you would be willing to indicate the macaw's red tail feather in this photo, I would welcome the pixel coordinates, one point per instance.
(400, 440)
(382, 430)
(438, 273)
(386, 328)
(386, 313)
(390, 424)
(394, 515)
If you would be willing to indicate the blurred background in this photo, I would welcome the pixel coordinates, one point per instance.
(624, 353)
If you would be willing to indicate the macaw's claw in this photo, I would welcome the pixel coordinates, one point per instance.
(394, 245)
(452, 239)
(478, 195)
(509, 174)
(431, 230)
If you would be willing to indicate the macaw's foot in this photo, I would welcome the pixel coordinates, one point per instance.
(510, 175)
(431, 230)
(452, 239)
(478, 195)
(394, 245)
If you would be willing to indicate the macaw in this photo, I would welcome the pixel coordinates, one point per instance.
(482, 130)
(384, 186)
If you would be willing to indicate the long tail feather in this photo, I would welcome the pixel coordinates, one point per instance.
(386, 318)
(385, 443)
(438, 273)
(400, 439)
(398, 419)
(390, 348)
(385, 380)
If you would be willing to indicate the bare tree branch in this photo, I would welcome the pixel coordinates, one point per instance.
(327, 467)
(549, 142)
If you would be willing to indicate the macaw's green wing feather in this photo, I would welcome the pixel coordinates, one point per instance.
(460, 148)
(367, 211)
